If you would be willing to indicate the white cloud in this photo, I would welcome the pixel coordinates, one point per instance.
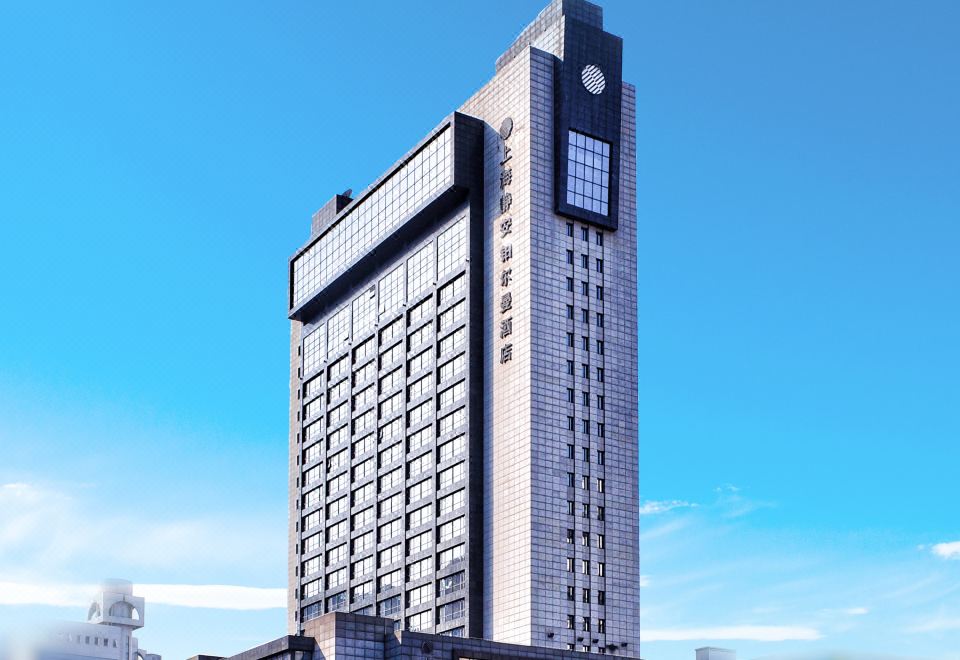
(949, 550)
(937, 623)
(751, 633)
(856, 611)
(644, 581)
(49, 532)
(211, 596)
(651, 507)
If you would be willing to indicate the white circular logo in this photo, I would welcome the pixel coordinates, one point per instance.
(593, 79)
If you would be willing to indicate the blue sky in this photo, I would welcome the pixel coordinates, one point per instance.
(798, 286)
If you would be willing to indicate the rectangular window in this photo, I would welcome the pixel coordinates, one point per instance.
(363, 493)
(585, 315)
(390, 555)
(452, 248)
(391, 480)
(452, 422)
(360, 568)
(390, 530)
(389, 606)
(389, 431)
(419, 465)
(570, 284)
(451, 611)
(451, 502)
(337, 602)
(419, 543)
(599, 265)
(420, 312)
(420, 270)
(420, 335)
(451, 449)
(362, 543)
(570, 536)
(420, 516)
(419, 569)
(392, 332)
(448, 343)
(420, 414)
(571, 450)
(570, 312)
(450, 476)
(452, 316)
(451, 584)
(419, 491)
(390, 289)
(337, 531)
(450, 556)
(363, 445)
(570, 257)
(420, 438)
(571, 507)
(364, 469)
(420, 595)
(391, 454)
(585, 398)
(570, 229)
(600, 374)
(362, 518)
(601, 513)
(420, 387)
(391, 505)
(391, 580)
(452, 394)
(599, 292)
(571, 479)
(421, 621)
(450, 369)
(569, 367)
(361, 591)
(452, 529)
(584, 261)
(601, 456)
(599, 319)
(453, 290)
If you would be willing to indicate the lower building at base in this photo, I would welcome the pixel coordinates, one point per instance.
(345, 636)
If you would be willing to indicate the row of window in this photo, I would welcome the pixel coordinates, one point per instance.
(601, 401)
(585, 482)
(584, 370)
(597, 568)
(585, 509)
(585, 234)
(586, 595)
(585, 426)
(586, 538)
(585, 261)
(585, 624)
(584, 318)
(585, 288)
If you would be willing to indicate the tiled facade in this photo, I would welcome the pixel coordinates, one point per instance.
(463, 367)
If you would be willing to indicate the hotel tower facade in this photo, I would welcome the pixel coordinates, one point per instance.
(463, 372)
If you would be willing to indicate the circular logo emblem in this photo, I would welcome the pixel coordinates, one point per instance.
(593, 79)
(506, 128)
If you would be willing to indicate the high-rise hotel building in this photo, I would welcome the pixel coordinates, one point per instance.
(464, 368)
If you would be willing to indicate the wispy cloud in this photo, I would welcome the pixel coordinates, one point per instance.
(949, 550)
(748, 633)
(212, 596)
(936, 623)
(652, 507)
(48, 531)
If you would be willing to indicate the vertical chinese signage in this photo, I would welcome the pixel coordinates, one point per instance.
(504, 304)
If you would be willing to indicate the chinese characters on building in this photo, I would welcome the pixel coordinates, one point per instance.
(504, 305)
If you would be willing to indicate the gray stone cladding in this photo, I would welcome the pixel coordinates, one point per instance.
(527, 406)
